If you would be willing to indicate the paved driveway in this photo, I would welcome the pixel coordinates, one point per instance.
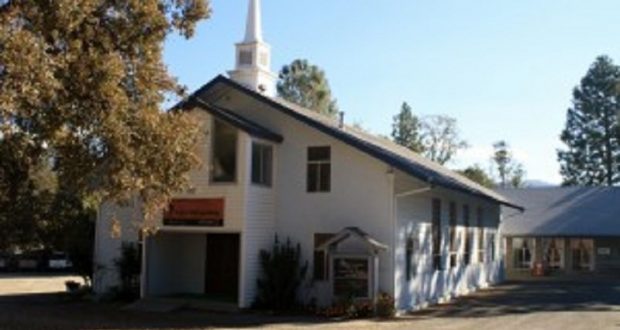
(517, 305)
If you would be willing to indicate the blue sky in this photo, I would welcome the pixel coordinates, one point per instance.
(505, 69)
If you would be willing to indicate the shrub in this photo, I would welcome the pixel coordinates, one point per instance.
(283, 272)
(385, 306)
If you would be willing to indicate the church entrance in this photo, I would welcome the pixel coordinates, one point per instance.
(222, 267)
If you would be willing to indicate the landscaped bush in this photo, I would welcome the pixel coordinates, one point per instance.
(283, 272)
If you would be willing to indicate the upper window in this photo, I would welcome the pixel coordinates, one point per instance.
(436, 231)
(318, 177)
(224, 154)
(262, 164)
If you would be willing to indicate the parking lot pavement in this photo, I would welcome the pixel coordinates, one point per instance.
(515, 305)
(15, 284)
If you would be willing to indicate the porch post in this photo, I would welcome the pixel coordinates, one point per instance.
(375, 298)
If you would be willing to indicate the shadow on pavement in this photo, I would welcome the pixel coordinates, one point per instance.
(525, 297)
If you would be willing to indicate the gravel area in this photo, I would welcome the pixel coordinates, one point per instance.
(516, 305)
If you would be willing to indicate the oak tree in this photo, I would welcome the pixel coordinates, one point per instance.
(83, 82)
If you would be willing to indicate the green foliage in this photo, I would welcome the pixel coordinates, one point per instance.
(128, 267)
(84, 82)
(306, 85)
(385, 307)
(478, 175)
(592, 133)
(78, 231)
(23, 200)
(406, 129)
(509, 171)
(283, 273)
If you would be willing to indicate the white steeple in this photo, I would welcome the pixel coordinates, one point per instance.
(253, 56)
(253, 28)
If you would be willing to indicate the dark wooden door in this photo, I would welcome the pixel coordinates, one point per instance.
(222, 269)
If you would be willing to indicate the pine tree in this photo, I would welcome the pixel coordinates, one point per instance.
(406, 129)
(591, 134)
(306, 85)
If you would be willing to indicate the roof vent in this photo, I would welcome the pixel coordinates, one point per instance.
(341, 120)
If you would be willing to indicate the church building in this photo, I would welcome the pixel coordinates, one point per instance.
(370, 216)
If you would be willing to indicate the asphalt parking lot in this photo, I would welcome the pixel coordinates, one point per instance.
(514, 305)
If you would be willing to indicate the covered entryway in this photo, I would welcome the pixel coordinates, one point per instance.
(353, 264)
(200, 266)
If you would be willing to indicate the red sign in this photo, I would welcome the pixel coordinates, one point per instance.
(195, 212)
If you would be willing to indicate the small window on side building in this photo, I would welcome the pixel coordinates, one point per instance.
(467, 236)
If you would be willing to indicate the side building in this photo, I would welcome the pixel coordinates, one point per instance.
(564, 230)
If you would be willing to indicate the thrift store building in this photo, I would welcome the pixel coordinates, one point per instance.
(370, 216)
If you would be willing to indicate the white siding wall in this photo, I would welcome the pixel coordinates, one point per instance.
(108, 244)
(361, 190)
(427, 286)
(258, 231)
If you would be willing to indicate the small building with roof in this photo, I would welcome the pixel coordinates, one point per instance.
(370, 216)
(563, 230)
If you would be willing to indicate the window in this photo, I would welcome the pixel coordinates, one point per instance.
(436, 231)
(554, 249)
(481, 241)
(467, 236)
(245, 57)
(351, 277)
(582, 250)
(409, 249)
(453, 246)
(492, 254)
(320, 266)
(319, 169)
(522, 252)
(224, 153)
(262, 162)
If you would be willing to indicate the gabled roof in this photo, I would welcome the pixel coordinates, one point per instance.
(349, 232)
(241, 123)
(563, 211)
(385, 150)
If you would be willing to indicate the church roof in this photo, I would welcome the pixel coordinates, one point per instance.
(563, 211)
(241, 123)
(383, 149)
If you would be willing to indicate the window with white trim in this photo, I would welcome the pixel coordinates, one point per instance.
(318, 178)
(262, 164)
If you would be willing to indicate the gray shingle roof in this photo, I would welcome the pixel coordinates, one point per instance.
(380, 148)
(563, 211)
